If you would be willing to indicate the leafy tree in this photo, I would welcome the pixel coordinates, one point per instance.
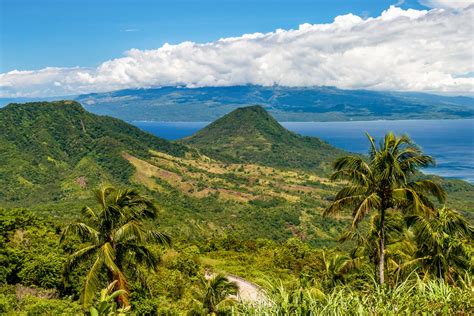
(384, 183)
(215, 294)
(116, 237)
(443, 242)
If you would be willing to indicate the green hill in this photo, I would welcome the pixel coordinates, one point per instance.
(54, 153)
(51, 150)
(250, 134)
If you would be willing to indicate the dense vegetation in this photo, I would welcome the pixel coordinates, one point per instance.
(51, 150)
(251, 219)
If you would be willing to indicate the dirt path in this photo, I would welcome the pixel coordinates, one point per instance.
(248, 291)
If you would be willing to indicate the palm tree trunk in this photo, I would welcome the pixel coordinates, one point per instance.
(382, 247)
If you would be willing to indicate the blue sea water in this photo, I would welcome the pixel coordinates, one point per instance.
(450, 142)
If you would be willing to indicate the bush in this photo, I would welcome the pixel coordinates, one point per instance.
(38, 306)
(43, 271)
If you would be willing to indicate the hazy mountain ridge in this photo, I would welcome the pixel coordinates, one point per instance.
(284, 103)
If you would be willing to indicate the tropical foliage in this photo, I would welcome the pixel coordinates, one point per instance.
(384, 183)
(106, 304)
(444, 242)
(257, 214)
(116, 237)
(216, 295)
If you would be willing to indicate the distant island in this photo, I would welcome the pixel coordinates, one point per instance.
(284, 103)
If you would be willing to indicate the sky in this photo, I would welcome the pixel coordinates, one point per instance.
(63, 47)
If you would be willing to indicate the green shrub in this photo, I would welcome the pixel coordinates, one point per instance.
(43, 271)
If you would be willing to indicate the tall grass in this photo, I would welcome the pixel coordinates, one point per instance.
(413, 296)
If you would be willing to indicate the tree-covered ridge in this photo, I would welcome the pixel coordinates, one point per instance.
(250, 134)
(50, 149)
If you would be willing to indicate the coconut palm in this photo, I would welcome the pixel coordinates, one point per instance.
(443, 242)
(335, 265)
(216, 293)
(398, 244)
(384, 182)
(115, 239)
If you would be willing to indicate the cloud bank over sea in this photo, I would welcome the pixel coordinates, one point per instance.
(403, 50)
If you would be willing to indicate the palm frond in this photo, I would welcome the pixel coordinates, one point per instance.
(371, 202)
(91, 283)
(79, 256)
(89, 213)
(85, 232)
(141, 254)
(373, 147)
(108, 254)
(430, 187)
(132, 230)
(339, 205)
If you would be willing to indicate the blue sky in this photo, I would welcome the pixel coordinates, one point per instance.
(66, 47)
(67, 33)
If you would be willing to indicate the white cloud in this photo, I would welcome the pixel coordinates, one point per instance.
(447, 4)
(407, 50)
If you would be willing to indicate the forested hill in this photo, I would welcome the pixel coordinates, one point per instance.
(50, 149)
(251, 135)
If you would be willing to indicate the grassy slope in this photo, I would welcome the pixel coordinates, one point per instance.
(208, 199)
(57, 152)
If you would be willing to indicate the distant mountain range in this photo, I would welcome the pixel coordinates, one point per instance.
(283, 103)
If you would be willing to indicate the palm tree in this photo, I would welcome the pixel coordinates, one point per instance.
(335, 265)
(216, 294)
(397, 242)
(116, 238)
(443, 242)
(384, 182)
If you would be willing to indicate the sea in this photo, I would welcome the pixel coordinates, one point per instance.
(450, 142)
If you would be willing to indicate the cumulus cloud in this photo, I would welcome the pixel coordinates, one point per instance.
(447, 4)
(405, 50)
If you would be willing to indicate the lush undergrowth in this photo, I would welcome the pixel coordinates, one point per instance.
(297, 278)
(248, 215)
